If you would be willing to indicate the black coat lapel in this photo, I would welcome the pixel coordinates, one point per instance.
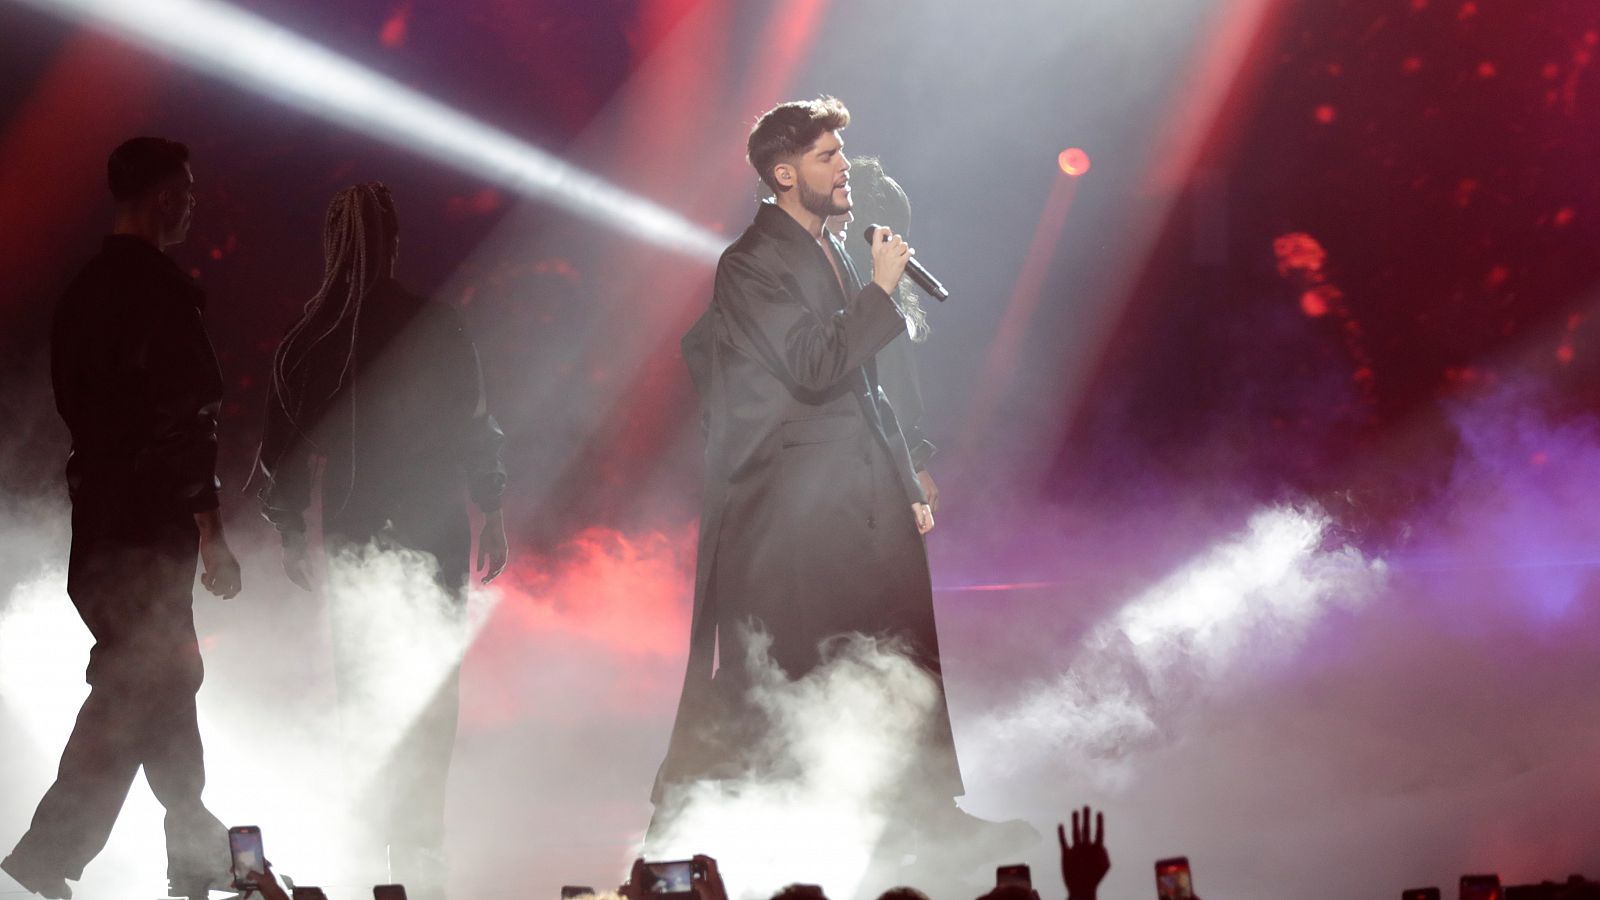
(805, 260)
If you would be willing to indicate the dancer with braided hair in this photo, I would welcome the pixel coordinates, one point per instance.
(381, 390)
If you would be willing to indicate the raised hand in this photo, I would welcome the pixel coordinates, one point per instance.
(1084, 862)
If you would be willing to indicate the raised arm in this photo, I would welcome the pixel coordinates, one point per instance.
(767, 321)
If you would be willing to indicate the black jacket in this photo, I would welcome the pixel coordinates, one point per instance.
(405, 436)
(136, 380)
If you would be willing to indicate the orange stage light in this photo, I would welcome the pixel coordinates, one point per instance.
(1074, 161)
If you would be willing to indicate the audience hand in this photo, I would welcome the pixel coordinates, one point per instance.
(1084, 862)
(267, 886)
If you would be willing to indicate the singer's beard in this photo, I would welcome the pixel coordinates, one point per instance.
(820, 204)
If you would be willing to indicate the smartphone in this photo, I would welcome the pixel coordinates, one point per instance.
(1420, 894)
(568, 891)
(308, 893)
(388, 892)
(1480, 887)
(672, 878)
(1017, 875)
(249, 863)
(1173, 879)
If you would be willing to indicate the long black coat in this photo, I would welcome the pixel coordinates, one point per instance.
(807, 531)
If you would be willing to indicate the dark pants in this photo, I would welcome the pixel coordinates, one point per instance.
(400, 746)
(131, 576)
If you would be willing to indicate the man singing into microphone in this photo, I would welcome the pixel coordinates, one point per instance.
(813, 518)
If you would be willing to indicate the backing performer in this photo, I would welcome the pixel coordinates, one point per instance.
(138, 386)
(814, 518)
(384, 388)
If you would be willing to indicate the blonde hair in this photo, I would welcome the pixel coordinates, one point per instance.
(358, 241)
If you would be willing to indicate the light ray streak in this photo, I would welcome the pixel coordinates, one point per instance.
(256, 54)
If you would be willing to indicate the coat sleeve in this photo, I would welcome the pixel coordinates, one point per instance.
(767, 321)
(481, 439)
(905, 463)
(897, 373)
(696, 347)
(185, 393)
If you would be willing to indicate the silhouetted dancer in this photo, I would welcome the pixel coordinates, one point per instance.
(384, 390)
(877, 199)
(813, 520)
(138, 386)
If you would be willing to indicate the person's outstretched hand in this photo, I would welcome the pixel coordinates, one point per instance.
(1084, 862)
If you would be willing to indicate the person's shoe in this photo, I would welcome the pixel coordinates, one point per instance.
(49, 886)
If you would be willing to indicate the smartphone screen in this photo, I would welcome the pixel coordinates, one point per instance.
(675, 877)
(1480, 887)
(1017, 875)
(1173, 879)
(249, 863)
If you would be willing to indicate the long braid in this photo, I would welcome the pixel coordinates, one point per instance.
(357, 237)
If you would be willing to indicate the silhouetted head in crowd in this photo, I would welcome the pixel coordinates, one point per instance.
(1011, 892)
(902, 893)
(801, 892)
(153, 187)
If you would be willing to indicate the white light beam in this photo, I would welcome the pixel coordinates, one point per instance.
(258, 55)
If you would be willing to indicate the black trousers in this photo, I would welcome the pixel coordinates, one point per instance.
(131, 576)
(402, 745)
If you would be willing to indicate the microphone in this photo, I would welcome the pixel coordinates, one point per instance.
(916, 270)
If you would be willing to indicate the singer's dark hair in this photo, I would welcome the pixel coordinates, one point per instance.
(142, 164)
(877, 199)
(787, 131)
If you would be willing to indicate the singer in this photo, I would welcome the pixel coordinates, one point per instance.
(813, 517)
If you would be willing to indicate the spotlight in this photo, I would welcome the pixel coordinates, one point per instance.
(1074, 161)
(254, 53)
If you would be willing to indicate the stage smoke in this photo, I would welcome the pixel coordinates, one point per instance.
(400, 637)
(1243, 605)
(812, 806)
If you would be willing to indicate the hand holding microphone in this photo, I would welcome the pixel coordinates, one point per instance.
(890, 253)
(892, 250)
